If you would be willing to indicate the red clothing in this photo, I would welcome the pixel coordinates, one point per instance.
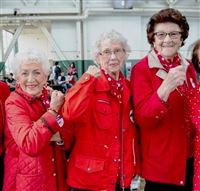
(163, 126)
(73, 72)
(195, 113)
(4, 93)
(105, 147)
(32, 162)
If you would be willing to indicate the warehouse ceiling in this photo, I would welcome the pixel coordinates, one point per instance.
(14, 12)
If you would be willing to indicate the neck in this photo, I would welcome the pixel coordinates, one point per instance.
(115, 75)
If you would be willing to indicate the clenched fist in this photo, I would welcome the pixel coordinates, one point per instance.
(94, 71)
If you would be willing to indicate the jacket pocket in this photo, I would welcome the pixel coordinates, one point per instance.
(89, 165)
(103, 114)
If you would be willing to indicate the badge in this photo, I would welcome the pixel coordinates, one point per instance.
(60, 120)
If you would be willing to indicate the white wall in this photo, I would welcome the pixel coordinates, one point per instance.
(34, 39)
(130, 27)
(65, 35)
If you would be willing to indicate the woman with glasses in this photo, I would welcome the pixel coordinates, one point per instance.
(195, 110)
(196, 58)
(104, 154)
(159, 83)
(34, 146)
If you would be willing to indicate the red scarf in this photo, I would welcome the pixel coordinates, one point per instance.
(168, 64)
(115, 85)
(45, 97)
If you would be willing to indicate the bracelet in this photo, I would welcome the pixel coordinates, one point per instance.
(60, 143)
(50, 109)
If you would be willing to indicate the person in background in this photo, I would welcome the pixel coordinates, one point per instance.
(57, 72)
(11, 81)
(104, 154)
(4, 93)
(196, 58)
(64, 82)
(73, 72)
(159, 83)
(35, 137)
(51, 76)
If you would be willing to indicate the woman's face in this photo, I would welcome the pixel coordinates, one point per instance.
(31, 78)
(167, 45)
(111, 58)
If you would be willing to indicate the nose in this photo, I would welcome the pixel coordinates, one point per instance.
(167, 37)
(113, 55)
(30, 77)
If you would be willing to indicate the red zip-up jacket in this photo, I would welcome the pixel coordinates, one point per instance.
(105, 136)
(32, 161)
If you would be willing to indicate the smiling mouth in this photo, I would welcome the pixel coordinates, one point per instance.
(31, 86)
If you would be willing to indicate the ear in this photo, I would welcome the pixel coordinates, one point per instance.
(17, 79)
(98, 60)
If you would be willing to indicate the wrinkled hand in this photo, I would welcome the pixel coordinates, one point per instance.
(175, 77)
(94, 71)
(57, 99)
(56, 137)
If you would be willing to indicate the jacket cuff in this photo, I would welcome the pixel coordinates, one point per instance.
(50, 121)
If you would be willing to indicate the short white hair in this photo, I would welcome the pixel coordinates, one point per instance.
(32, 55)
(112, 36)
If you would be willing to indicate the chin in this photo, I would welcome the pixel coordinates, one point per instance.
(33, 93)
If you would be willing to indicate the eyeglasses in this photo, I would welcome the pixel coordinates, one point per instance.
(172, 35)
(117, 52)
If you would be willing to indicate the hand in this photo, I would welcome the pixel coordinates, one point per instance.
(57, 99)
(94, 71)
(175, 77)
(56, 137)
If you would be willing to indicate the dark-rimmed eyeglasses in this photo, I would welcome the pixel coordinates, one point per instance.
(117, 52)
(172, 35)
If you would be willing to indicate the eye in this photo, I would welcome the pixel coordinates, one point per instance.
(174, 34)
(24, 73)
(117, 50)
(161, 34)
(106, 52)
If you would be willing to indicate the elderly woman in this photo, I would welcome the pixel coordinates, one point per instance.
(104, 153)
(160, 82)
(196, 58)
(34, 157)
(195, 109)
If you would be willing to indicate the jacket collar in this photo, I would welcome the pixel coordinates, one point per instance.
(103, 85)
(153, 62)
(30, 99)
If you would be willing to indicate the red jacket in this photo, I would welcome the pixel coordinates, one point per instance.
(163, 127)
(4, 93)
(32, 162)
(105, 140)
(195, 113)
